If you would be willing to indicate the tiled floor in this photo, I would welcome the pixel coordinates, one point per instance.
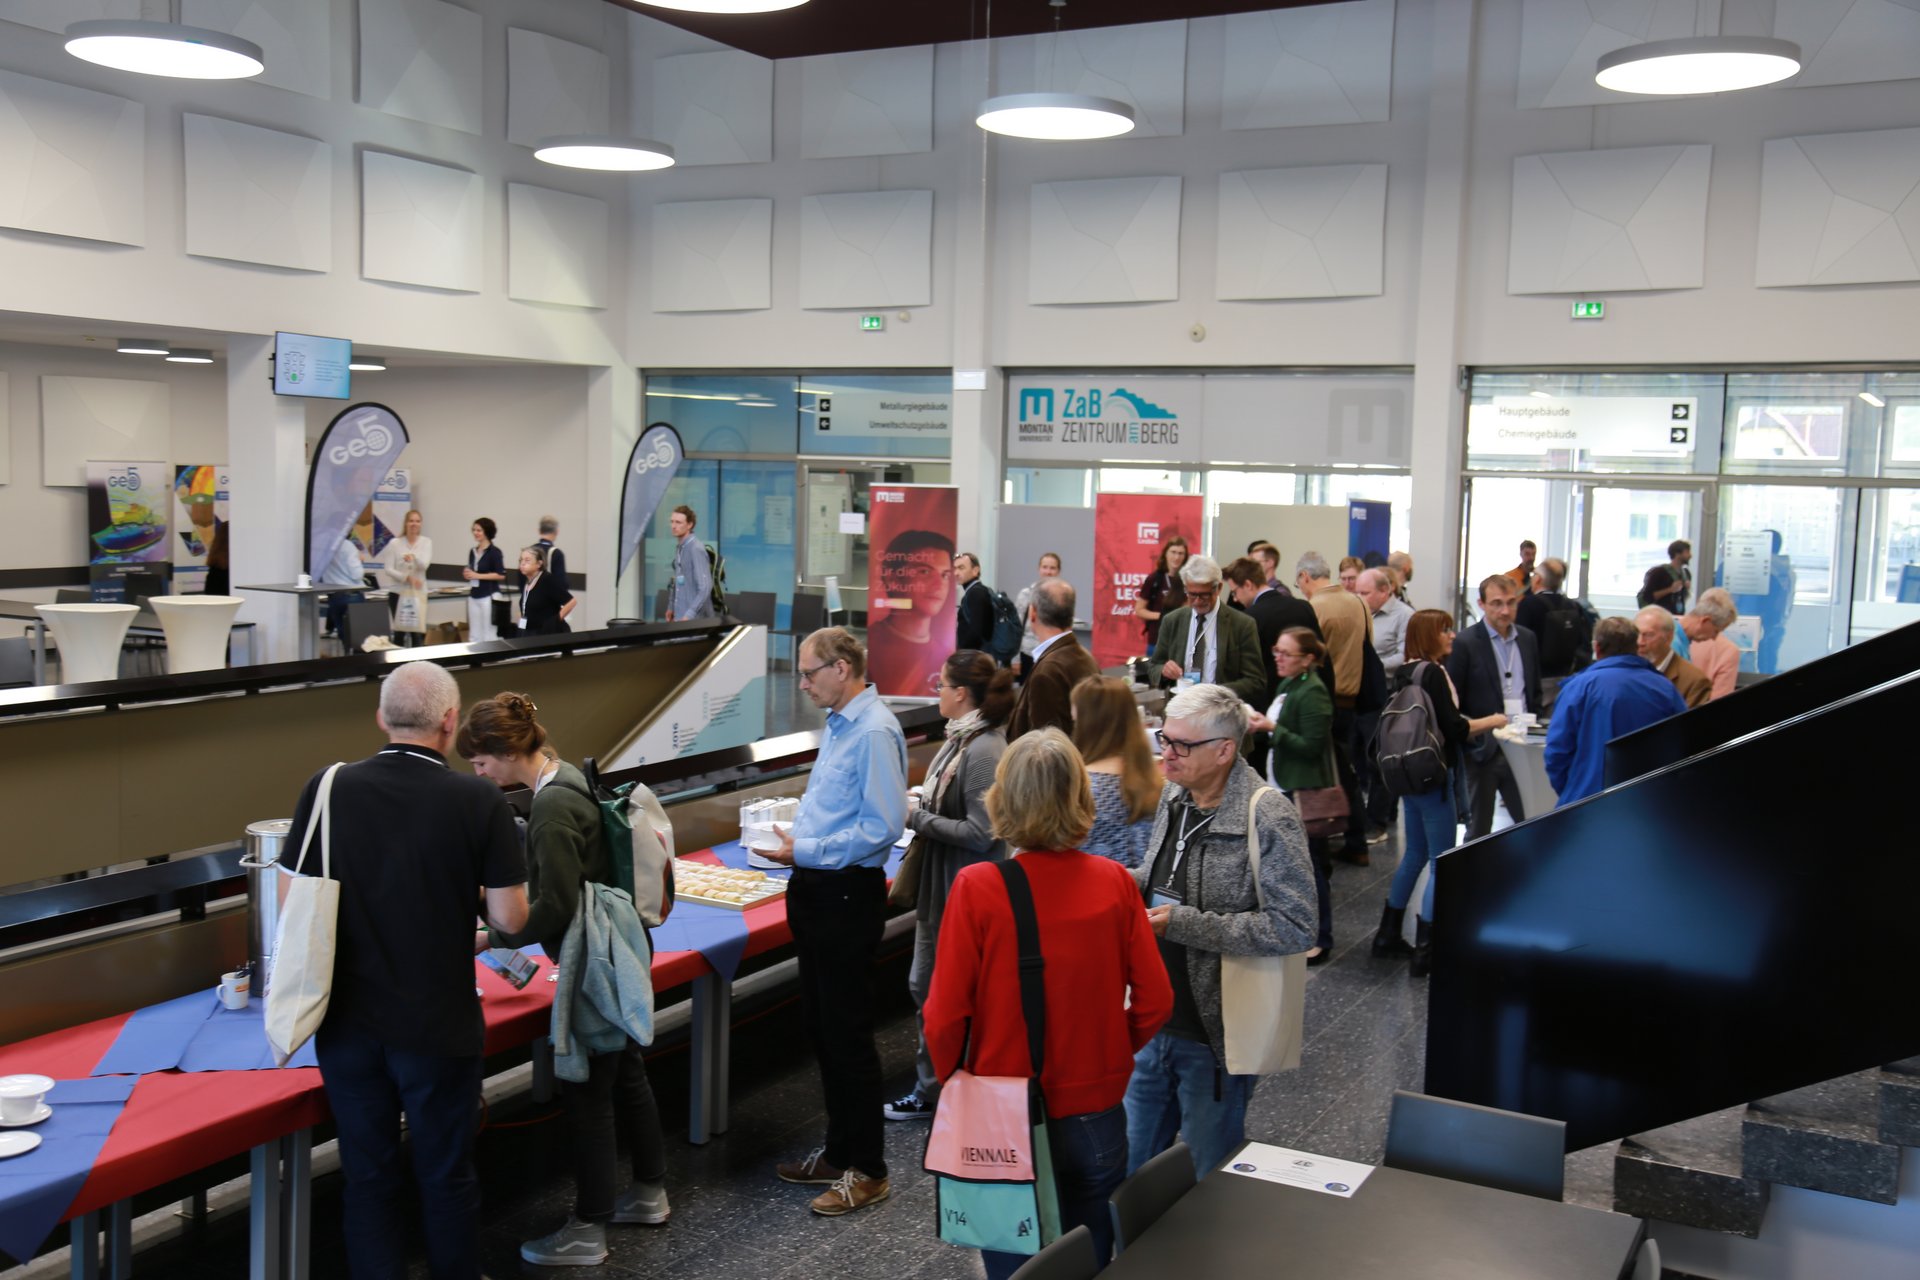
(1366, 1028)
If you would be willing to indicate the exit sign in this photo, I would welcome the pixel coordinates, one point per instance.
(1589, 310)
(873, 324)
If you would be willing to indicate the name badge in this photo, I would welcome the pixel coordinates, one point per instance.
(1166, 896)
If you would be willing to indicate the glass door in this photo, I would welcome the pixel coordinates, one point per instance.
(1629, 530)
(829, 490)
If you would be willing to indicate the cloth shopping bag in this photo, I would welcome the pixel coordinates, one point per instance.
(1262, 998)
(301, 982)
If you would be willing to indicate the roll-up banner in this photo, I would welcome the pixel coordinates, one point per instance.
(355, 452)
(656, 459)
(910, 596)
(1128, 531)
(127, 525)
(201, 492)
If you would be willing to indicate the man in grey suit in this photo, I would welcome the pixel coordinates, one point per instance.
(1493, 663)
(1221, 646)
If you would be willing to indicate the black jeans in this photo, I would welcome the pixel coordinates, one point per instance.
(1485, 779)
(615, 1099)
(368, 1086)
(1089, 1162)
(837, 918)
(1380, 802)
(1355, 840)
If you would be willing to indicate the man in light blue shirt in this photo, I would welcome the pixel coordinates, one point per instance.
(692, 595)
(346, 569)
(854, 808)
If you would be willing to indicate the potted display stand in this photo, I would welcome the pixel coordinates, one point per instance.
(197, 629)
(89, 637)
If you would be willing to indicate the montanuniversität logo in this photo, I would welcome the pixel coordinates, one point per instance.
(1070, 415)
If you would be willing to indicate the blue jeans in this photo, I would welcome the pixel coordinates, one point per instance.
(1429, 832)
(1089, 1162)
(368, 1086)
(1178, 1087)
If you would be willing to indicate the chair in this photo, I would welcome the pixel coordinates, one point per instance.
(1482, 1145)
(1070, 1257)
(1138, 1202)
(755, 608)
(141, 587)
(660, 602)
(365, 618)
(808, 615)
(72, 595)
(16, 662)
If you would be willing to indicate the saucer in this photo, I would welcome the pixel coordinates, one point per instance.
(17, 1144)
(40, 1113)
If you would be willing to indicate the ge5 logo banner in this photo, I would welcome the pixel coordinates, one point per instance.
(656, 459)
(358, 448)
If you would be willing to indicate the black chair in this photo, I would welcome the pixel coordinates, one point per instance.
(1482, 1145)
(661, 599)
(365, 618)
(808, 615)
(72, 595)
(16, 662)
(1137, 1203)
(754, 608)
(1070, 1257)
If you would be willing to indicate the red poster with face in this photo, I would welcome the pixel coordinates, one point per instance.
(911, 604)
(1130, 531)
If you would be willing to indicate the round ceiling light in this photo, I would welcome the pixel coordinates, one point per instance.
(142, 347)
(1055, 117)
(367, 364)
(1698, 64)
(725, 6)
(190, 355)
(594, 151)
(165, 49)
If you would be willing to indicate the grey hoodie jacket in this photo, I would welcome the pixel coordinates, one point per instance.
(1225, 917)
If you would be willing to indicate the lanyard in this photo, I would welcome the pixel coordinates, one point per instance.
(1186, 833)
(402, 751)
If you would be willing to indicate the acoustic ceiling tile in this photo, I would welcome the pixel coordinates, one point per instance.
(83, 419)
(74, 160)
(714, 108)
(876, 102)
(1302, 233)
(556, 247)
(1144, 66)
(1850, 41)
(1562, 41)
(420, 223)
(55, 15)
(1625, 219)
(295, 36)
(713, 255)
(258, 195)
(1104, 240)
(554, 87)
(421, 59)
(1839, 208)
(867, 249)
(1317, 64)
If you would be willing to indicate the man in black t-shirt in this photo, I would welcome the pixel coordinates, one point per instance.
(414, 845)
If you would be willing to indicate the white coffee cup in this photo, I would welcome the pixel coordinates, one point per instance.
(236, 989)
(20, 1096)
(304, 580)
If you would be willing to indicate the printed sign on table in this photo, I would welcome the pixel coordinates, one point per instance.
(910, 590)
(1128, 531)
(127, 522)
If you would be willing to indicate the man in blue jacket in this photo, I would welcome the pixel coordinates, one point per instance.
(1619, 693)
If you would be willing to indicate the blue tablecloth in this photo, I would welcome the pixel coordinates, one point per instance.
(195, 1033)
(36, 1189)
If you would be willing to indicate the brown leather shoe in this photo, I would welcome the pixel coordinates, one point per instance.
(852, 1190)
(1354, 857)
(811, 1170)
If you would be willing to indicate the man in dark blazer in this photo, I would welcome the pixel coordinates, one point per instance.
(1494, 662)
(1221, 644)
(975, 625)
(1059, 663)
(1271, 612)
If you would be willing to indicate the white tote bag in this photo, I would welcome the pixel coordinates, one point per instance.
(302, 977)
(1262, 998)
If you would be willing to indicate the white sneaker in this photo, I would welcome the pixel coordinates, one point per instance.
(644, 1204)
(577, 1244)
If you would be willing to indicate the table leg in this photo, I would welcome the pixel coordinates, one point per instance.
(309, 625)
(710, 1029)
(296, 1202)
(543, 1069)
(40, 652)
(120, 1240)
(264, 1259)
(722, 1074)
(83, 1252)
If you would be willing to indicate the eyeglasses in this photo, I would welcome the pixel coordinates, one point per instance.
(1179, 748)
(938, 685)
(808, 673)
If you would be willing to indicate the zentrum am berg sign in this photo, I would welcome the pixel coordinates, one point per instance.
(1082, 419)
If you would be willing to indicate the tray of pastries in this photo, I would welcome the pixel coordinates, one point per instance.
(717, 886)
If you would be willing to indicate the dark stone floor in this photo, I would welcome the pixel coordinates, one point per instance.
(1366, 1036)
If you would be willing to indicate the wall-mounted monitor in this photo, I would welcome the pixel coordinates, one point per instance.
(305, 365)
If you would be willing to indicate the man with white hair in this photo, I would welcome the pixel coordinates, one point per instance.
(1202, 643)
(415, 846)
(1701, 639)
(1655, 626)
(1202, 904)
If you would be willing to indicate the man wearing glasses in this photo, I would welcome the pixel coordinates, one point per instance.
(854, 808)
(1202, 904)
(1201, 643)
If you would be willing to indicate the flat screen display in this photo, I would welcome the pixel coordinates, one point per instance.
(305, 365)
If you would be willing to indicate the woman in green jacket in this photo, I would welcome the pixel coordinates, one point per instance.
(567, 847)
(1301, 722)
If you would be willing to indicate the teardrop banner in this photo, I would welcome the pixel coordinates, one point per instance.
(355, 452)
(656, 460)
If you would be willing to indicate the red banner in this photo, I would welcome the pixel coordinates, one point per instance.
(1128, 531)
(910, 590)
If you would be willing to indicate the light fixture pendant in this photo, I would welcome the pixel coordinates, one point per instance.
(189, 355)
(725, 6)
(1055, 117)
(141, 347)
(1698, 64)
(165, 49)
(598, 151)
(367, 364)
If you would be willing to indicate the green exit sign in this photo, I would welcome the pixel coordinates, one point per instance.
(873, 324)
(1589, 311)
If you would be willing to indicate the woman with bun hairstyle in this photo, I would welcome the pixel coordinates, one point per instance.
(567, 846)
(951, 826)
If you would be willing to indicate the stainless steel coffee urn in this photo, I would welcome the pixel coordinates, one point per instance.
(265, 842)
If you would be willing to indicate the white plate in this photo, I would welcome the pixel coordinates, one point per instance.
(39, 1114)
(17, 1144)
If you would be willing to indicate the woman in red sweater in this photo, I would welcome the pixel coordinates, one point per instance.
(1097, 947)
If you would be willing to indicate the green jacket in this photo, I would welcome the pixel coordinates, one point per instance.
(565, 845)
(1303, 734)
(1241, 667)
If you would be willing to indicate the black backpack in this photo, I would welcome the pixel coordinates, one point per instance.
(717, 581)
(1565, 633)
(1004, 642)
(1407, 746)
